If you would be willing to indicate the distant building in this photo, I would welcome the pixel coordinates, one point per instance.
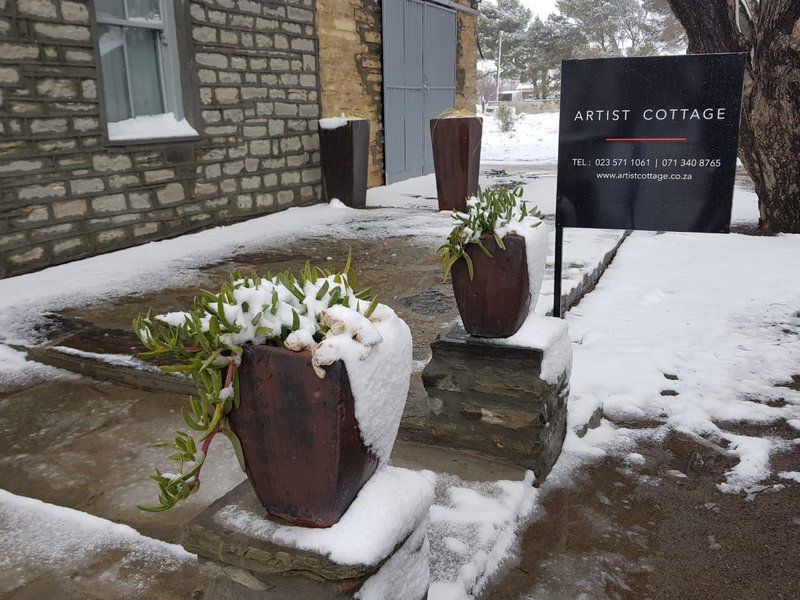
(124, 121)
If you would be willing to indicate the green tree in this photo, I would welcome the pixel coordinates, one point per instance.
(546, 44)
(509, 18)
(625, 27)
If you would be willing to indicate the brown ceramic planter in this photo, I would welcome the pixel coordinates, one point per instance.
(302, 447)
(495, 302)
(344, 152)
(456, 159)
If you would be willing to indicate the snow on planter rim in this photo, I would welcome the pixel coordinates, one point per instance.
(379, 375)
(392, 504)
(336, 122)
(533, 231)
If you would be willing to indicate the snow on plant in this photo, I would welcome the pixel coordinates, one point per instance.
(494, 212)
(296, 312)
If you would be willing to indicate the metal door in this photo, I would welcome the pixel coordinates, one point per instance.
(419, 81)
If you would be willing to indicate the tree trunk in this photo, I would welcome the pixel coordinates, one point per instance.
(769, 144)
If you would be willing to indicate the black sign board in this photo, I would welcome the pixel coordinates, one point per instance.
(648, 143)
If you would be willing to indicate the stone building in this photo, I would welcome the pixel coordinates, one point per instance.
(126, 121)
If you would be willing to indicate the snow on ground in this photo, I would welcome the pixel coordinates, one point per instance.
(473, 531)
(711, 320)
(16, 370)
(534, 140)
(711, 310)
(41, 539)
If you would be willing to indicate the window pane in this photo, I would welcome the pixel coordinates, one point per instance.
(115, 85)
(144, 9)
(110, 8)
(145, 73)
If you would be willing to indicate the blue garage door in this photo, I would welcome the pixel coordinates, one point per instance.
(419, 81)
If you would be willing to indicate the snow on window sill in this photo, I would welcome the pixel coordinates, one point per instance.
(151, 127)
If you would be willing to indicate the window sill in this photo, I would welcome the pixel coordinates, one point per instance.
(149, 130)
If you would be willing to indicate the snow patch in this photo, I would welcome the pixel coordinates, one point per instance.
(674, 304)
(551, 336)
(473, 532)
(39, 539)
(336, 122)
(406, 574)
(533, 140)
(388, 508)
(17, 371)
(150, 127)
(119, 360)
(338, 204)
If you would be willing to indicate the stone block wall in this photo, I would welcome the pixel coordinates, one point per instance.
(251, 89)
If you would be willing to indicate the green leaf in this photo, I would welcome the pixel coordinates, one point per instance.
(323, 290)
(177, 368)
(371, 308)
(237, 446)
(470, 266)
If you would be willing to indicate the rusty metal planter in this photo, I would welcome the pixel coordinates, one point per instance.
(496, 301)
(456, 158)
(344, 153)
(302, 447)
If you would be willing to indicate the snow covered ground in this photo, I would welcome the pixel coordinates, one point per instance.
(534, 140)
(40, 539)
(711, 319)
(697, 333)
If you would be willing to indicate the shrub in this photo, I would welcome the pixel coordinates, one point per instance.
(506, 118)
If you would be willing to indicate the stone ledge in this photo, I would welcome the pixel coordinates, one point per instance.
(235, 538)
(490, 397)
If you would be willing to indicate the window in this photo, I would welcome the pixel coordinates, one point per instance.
(141, 69)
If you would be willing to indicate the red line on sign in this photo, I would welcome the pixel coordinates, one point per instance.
(683, 139)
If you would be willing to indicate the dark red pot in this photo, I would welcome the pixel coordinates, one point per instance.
(344, 153)
(302, 447)
(456, 159)
(496, 301)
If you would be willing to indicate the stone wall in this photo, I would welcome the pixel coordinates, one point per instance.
(251, 89)
(351, 58)
(467, 59)
(351, 72)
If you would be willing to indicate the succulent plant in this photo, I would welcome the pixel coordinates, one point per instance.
(284, 310)
(488, 213)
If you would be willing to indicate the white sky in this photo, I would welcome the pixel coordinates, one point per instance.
(541, 7)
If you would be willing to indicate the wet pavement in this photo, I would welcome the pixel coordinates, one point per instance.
(620, 530)
(658, 527)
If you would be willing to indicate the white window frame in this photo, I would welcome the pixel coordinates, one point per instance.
(168, 56)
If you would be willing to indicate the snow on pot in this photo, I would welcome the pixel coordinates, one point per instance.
(344, 153)
(456, 143)
(496, 255)
(305, 377)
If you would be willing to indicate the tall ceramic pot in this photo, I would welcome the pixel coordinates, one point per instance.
(456, 145)
(504, 288)
(344, 153)
(301, 442)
